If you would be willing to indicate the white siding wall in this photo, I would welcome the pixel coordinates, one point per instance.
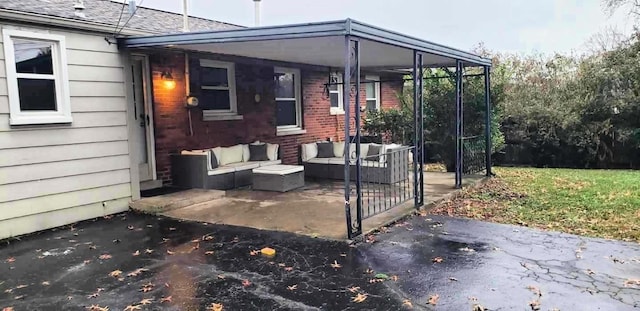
(51, 175)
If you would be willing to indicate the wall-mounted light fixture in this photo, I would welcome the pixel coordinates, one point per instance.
(167, 80)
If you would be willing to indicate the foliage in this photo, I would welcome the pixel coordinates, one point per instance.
(601, 203)
(574, 112)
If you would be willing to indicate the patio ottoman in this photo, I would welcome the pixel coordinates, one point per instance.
(279, 177)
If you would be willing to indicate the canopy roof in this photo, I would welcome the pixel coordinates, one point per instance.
(314, 44)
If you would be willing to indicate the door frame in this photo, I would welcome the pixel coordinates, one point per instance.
(148, 106)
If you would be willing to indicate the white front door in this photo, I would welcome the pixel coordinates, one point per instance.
(143, 127)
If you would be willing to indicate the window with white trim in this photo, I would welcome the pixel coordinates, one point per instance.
(288, 99)
(217, 88)
(335, 93)
(38, 86)
(372, 90)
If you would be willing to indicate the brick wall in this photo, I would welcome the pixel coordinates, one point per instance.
(172, 132)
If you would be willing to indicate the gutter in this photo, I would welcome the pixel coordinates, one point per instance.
(74, 24)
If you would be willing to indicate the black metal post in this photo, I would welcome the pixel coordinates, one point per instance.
(487, 129)
(356, 59)
(421, 120)
(459, 131)
(416, 127)
(346, 100)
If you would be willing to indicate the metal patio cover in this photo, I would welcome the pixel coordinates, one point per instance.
(320, 44)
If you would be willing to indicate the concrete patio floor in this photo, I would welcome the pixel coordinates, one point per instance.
(314, 210)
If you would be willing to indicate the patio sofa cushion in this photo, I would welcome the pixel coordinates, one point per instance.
(220, 171)
(336, 160)
(309, 151)
(338, 149)
(364, 149)
(258, 152)
(373, 154)
(325, 150)
(272, 151)
(233, 154)
(217, 151)
(243, 166)
(319, 160)
(267, 163)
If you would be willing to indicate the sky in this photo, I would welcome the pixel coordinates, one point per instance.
(510, 26)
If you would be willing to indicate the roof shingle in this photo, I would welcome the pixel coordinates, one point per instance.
(108, 12)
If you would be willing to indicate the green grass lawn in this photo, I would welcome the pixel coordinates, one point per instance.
(601, 203)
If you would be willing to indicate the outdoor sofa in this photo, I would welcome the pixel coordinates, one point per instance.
(221, 168)
(380, 163)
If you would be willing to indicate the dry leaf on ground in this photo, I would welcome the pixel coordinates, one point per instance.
(433, 299)
(359, 298)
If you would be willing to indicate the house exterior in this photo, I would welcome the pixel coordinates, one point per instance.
(85, 125)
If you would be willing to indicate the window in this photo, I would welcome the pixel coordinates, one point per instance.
(217, 88)
(36, 77)
(373, 93)
(288, 103)
(335, 93)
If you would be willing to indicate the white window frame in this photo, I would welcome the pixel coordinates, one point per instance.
(215, 114)
(376, 90)
(297, 82)
(62, 114)
(339, 91)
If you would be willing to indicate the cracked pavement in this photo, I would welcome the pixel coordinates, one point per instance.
(181, 265)
(502, 267)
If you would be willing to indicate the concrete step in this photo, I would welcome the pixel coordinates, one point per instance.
(167, 202)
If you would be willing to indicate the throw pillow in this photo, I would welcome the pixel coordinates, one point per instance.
(272, 151)
(258, 153)
(373, 154)
(213, 160)
(309, 151)
(246, 155)
(338, 149)
(231, 155)
(217, 151)
(325, 150)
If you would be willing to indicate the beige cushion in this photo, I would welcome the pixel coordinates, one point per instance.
(319, 160)
(338, 149)
(279, 169)
(336, 160)
(364, 148)
(268, 163)
(230, 155)
(220, 171)
(246, 154)
(272, 151)
(386, 148)
(309, 151)
(242, 166)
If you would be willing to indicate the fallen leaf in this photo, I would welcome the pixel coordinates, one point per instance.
(222, 277)
(467, 249)
(433, 299)
(7, 309)
(535, 305)
(292, 287)
(359, 298)
(590, 272)
(381, 276)
(207, 238)
(407, 303)
(452, 279)
(145, 301)
(208, 253)
(21, 286)
(165, 299)
(148, 251)
(97, 308)
(137, 253)
(535, 290)
(86, 262)
(353, 289)
(169, 252)
(132, 308)
(343, 255)
(105, 256)
(94, 295)
(172, 229)
(10, 260)
(369, 271)
(246, 283)
(215, 307)
(336, 265)
(254, 252)
(477, 307)
(137, 272)
(130, 227)
(115, 273)
(288, 268)
(18, 297)
(631, 282)
(45, 283)
(147, 287)
(437, 260)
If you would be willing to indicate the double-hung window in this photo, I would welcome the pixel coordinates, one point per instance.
(38, 86)
(372, 89)
(217, 88)
(288, 99)
(335, 93)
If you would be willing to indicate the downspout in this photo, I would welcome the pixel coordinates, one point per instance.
(256, 4)
(185, 16)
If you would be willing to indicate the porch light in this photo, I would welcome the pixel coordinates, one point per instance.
(167, 80)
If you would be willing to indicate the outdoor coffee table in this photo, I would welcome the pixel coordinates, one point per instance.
(279, 177)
